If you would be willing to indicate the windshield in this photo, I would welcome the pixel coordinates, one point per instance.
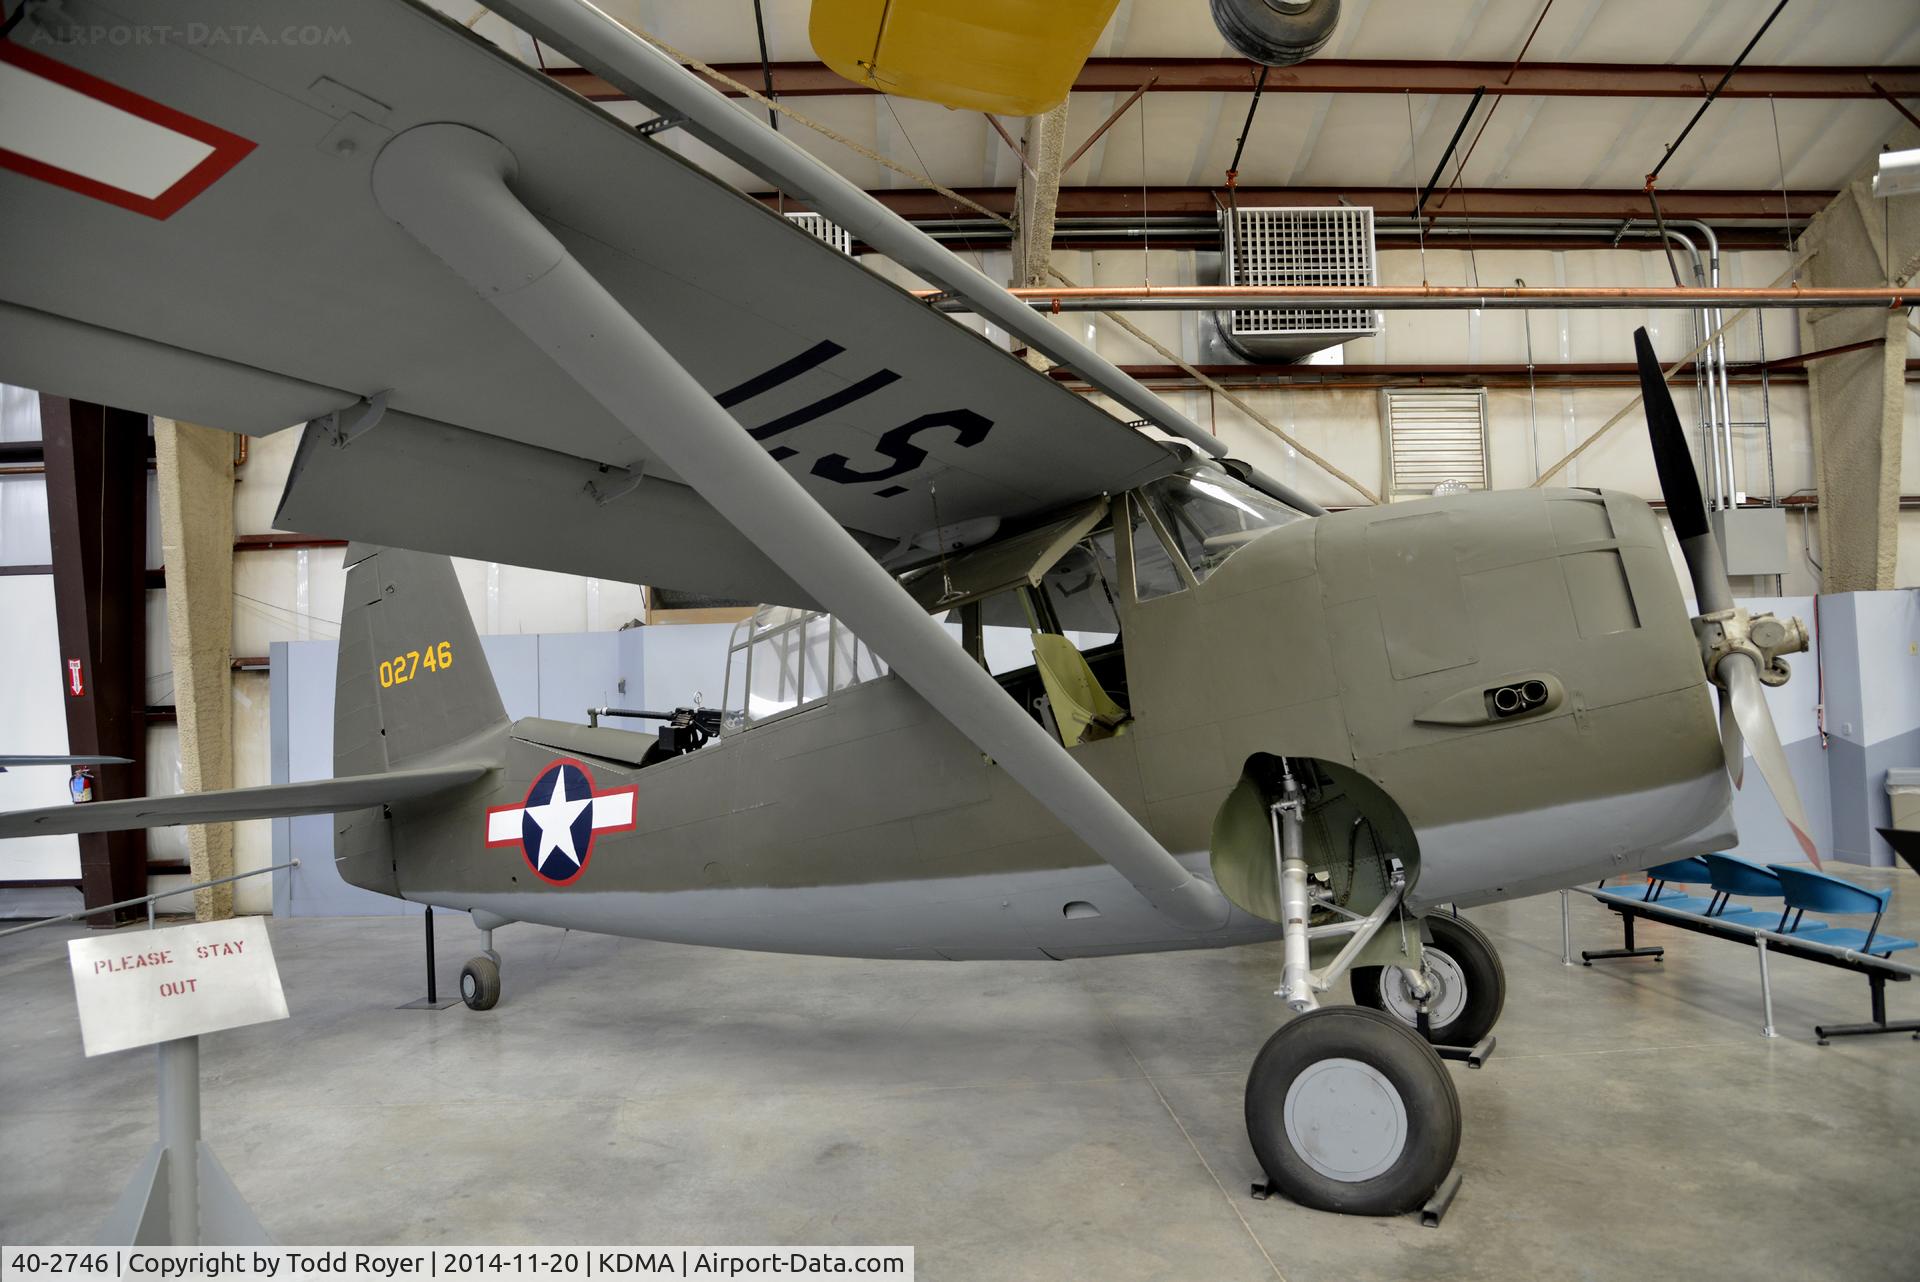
(1209, 515)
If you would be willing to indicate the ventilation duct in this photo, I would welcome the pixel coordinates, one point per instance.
(1330, 245)
(1435, 439)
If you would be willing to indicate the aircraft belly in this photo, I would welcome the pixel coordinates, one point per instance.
(1017, 916)
(1518, 853)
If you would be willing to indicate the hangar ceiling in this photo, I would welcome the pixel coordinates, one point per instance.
(1329, 140)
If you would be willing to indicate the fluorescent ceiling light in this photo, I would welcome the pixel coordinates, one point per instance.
(1899, 173)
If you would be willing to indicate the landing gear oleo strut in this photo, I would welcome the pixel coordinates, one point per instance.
(1347, 1109)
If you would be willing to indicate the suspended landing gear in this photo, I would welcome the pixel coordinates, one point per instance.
(1469, 986)
(1348, 1110)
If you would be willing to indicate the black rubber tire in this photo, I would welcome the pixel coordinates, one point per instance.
(1396, 1053)
(1486, 980)
(1266, 34)
(480, 983)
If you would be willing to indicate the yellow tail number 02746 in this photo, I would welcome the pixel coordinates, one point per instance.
(405, 667)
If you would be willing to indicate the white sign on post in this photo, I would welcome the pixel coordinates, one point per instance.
(135, 988)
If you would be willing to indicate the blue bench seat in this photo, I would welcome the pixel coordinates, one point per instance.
(1805, 889)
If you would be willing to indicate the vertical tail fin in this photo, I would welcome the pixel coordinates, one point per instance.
(412, 681)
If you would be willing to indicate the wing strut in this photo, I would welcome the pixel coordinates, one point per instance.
(447, 185)
(600, 43)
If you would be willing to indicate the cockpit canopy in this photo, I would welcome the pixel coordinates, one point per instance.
(1060, 578)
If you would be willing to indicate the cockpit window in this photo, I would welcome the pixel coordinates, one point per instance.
(782, 659)
(1208, 516)
(1154, 573)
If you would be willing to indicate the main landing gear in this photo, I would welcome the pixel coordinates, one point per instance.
(1351, 1109)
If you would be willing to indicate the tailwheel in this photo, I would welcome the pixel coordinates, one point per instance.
(1469, 983)
(1349, 1110)
(480, 983)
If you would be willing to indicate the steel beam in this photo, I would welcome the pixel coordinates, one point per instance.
(96, 469)
(1368, 76)
(1481, 204)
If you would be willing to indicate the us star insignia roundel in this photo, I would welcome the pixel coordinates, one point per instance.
(555, 826)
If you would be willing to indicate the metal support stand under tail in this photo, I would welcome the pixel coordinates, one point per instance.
(1877, 987)
(1299, 982)
(433, 1000)
(181, 1195)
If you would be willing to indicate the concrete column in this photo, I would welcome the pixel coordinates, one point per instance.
(1859, 398)
(196, 530)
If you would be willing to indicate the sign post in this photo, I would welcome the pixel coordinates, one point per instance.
(168, 987)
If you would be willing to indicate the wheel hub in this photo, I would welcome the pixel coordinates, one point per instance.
(1449, 984)
(1346, 1120)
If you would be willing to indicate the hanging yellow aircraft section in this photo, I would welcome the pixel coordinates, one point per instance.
(1010, 57)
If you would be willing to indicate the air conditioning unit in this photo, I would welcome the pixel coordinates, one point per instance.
(1330, 245)
(818, 227)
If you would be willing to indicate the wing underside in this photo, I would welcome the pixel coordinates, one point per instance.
(280, 292)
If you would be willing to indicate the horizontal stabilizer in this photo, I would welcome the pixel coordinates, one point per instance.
(38, 759)
(315, 797)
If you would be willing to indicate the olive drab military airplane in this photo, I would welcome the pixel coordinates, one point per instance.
(1034, 682)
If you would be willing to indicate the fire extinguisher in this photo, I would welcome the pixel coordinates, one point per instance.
(81, 786)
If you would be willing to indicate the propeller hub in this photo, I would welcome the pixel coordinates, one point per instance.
(1764, 638)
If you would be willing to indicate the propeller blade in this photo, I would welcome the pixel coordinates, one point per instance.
(1673, 461)
(1732, 742)
(1743, 694)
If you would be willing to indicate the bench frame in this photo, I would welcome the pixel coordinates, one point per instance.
(1878, 970)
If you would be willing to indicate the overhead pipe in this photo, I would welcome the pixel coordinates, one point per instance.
(1420, 297)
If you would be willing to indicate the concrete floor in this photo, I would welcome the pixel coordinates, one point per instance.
(1071, 1120)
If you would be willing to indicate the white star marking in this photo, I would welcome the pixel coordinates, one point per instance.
(556, 822)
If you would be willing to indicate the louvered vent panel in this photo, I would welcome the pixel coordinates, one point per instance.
(1434, 437)
(815, 225)
(1318, 246)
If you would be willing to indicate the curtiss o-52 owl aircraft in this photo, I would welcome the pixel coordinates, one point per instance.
(1035, 682)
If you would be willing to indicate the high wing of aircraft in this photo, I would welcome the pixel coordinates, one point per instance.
(518, 329)
(275, 289)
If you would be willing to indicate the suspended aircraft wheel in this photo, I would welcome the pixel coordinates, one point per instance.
(480, 983)
(1470, 985)
(1350, 1111)
(1278, 33)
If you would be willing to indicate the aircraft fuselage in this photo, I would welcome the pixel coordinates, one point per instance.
(1375, 640)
